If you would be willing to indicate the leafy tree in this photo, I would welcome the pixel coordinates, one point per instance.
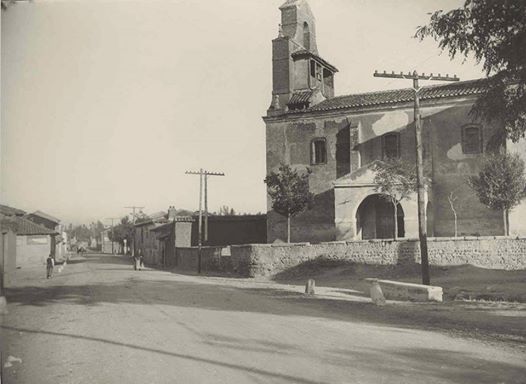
(289, 191)
(494, 32)
(500, 184)
(122, 231)
(226, 211)
(395, 179)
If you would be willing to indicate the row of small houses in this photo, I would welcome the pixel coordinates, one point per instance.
(159, 238)
(28, 239)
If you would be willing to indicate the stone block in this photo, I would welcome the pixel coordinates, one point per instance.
(397, 290)
(310, 287)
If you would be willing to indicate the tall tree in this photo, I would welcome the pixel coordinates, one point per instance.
(494, 32)
(500, 184)
(122, 231)
(395, 179)
(289, 191)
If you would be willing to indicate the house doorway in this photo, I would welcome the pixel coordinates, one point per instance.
(375, 218)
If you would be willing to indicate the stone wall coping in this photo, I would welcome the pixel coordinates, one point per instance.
(403, 284)
(203, 247)
(399, 240)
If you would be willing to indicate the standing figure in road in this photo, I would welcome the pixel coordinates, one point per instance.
(141, 260)
(50, 264)
(137, 260)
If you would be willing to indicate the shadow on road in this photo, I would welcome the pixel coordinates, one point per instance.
(262, 372)
(450, 365)
(142, 288)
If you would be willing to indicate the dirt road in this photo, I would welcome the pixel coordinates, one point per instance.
(101, 322)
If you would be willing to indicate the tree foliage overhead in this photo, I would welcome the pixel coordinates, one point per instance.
(501, 183)
(289, 190)
(494, 32)
(396, 179)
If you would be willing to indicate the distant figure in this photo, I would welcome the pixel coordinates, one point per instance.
(137, 260)
(141, 260)
(50, 264)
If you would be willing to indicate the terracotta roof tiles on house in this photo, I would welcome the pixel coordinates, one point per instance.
(24, 227)
(45, 216)
(10, 211)
(370, 99)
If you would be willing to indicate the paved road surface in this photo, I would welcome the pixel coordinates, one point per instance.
(101, 322)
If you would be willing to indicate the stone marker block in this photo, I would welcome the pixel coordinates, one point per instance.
(309, 287)
(377, 296)
(397, 290)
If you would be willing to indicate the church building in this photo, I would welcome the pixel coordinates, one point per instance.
(342, 138)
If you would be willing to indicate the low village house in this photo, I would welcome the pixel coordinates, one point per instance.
(163, 236)
(34, 241)
(340, 138)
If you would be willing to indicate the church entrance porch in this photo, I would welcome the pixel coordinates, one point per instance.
(375, 218)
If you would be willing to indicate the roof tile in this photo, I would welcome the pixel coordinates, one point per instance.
(472, 87)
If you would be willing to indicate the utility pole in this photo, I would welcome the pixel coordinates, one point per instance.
(203, 179)
(112, 218)
(133, 208)
(422, 227)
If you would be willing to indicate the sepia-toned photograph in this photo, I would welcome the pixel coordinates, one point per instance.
(263, 191)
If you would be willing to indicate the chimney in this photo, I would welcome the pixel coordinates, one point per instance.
(171, 213)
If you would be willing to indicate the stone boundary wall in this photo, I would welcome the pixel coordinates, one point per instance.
(253, 260)
(211, 259)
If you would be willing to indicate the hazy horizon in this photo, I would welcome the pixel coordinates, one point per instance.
(106, 104)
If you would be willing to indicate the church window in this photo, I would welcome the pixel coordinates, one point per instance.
(306, 36)
(471, 139)
(391, 146)
(319, 151)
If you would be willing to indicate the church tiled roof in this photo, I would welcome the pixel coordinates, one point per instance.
(306, 53)
(380, 98)
(300, 98)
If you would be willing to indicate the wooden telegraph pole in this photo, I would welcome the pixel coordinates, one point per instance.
(112, 218)
(422, 227)
(203, 179)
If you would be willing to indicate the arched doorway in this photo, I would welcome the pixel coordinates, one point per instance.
(375, 218)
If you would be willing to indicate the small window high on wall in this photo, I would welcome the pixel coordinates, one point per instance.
(306, 36)
(318, 151)
(471, 139)
(390, 146)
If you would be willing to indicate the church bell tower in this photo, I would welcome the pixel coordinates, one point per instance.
(300, 77)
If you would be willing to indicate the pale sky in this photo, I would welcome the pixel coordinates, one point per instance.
(105, 104)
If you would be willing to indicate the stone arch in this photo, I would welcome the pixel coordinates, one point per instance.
(375, 218)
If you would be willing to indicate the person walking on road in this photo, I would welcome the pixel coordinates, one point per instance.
(50, 264)
(137, 260)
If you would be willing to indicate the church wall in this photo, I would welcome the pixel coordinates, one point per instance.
(517, 215)
(290, 143)
(445, 162)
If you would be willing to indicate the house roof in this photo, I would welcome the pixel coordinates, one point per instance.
(396, 96)
(10, 211)
(45, 216)
(300, 98)
(304, 53)
(25, 227)
(157, 215)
